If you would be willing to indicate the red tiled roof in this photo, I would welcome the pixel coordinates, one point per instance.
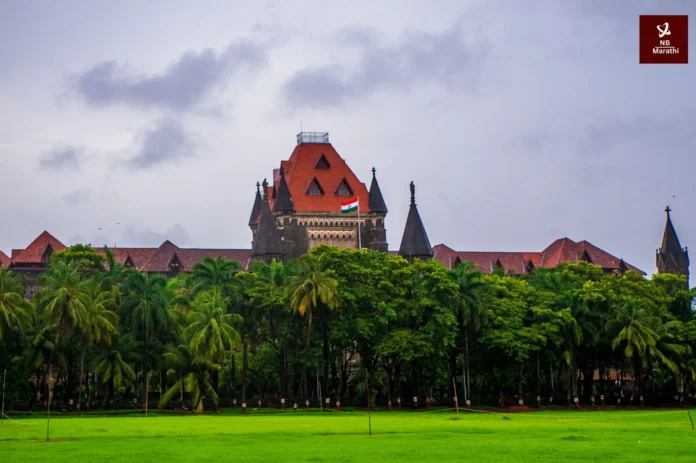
(4, 260)
(158, 259)
(139, 256)
(300, 171)
(34, 253)
(560, 251)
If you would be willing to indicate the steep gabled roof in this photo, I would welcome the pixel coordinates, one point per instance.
(257, 206)
(34, 253)
(415, 242)
(267, 240)
(4, 260)
(670, 240)
(139, 256)
(159, 262)
(376, 203)
(301, 168)
(283, 199)
(559, 252)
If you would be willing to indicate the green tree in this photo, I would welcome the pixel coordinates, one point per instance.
(14, 308)
(145, 309)
(311, 286)
(64, 302)
(211, 329)
(194, 376)
(468, 307)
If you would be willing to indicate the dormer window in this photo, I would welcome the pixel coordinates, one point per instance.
(175, 265)
(46, 258)
(128, 263)
(315, 189)
(322, 163)
(344, 189)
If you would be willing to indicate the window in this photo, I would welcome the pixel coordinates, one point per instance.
(47, 254)
(322, 163)
(344, 189)
(315, 189)
(128, 263)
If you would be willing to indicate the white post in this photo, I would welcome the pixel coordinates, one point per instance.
(359, 234)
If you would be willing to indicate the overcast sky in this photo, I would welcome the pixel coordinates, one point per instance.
(519, 122)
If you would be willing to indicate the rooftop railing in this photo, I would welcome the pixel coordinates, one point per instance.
(312, 137)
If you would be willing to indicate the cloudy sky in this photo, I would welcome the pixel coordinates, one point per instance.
(519, 122)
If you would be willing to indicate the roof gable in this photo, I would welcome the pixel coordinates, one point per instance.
(300, 169)
(4, 260)
(34, 253)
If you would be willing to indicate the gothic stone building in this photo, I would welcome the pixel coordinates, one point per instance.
(301, 208)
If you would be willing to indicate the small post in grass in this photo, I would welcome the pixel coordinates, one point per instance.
(49, 384)
(456, 402)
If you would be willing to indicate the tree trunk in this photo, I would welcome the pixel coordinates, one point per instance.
(82, 372)
(340, 383)
(388, 371)
(466, 368)
(520, 393)
(303, 379)
(538, 380)
(245, 367)
(147, 379)
(325, 337)
(559, 378)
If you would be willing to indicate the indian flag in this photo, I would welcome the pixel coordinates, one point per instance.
(349, 206)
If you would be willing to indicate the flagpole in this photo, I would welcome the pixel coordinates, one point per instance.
(359, 241)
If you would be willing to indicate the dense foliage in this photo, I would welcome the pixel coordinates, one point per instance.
(354, 327)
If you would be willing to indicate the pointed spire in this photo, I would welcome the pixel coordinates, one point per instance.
(376, 201)
(671, 258)
(415, 242)
(670, 241)
(267, 243)
(283, 201)
(256, 209)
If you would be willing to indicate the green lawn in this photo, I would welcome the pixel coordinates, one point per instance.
(663, 435)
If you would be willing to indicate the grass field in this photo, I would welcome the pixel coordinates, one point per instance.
(663, 435)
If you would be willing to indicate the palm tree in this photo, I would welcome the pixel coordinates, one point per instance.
(277, 275)
(211, 329)
(312, 285)
(194, 376)
(100, 325)
(145, 308)
(64, 302)
(633, 329)
(113, 370)
(213, 273)
(469, 309)
(14, 308)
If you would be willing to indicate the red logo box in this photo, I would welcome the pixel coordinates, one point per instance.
(664, 39)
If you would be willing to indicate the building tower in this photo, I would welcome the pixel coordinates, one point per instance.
(267, 240)
(306, 196)
(671, 258)
(415, 242)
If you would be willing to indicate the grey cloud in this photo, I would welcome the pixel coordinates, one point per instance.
(64, 158)
(77, 197)
(138, 236)
(418, 58)
(181, 86)
(165, 141)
